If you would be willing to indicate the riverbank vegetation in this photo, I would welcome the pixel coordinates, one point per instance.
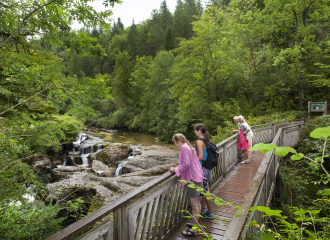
(258, 58)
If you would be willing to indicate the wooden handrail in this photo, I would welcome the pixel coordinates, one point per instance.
(296, 120)
(226, 140)
(92, 218)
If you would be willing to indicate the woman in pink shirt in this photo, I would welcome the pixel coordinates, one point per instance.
(189, 169)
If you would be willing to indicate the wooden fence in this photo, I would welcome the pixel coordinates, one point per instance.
(154, 210)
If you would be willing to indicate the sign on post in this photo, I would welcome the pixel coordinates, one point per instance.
(317, 107)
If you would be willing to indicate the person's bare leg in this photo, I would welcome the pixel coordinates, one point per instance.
(204, 202)
(196, 209)
(209, 202)
(246, 154)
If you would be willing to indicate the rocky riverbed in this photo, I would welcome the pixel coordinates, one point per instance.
(97, 178)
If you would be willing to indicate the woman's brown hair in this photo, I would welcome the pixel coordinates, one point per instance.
(201, 126)
(179, 137)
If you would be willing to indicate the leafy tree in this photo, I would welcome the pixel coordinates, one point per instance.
(123, 70)
(203, 77)
(132, 37)
(293, 29)
(117, 28)
(33, 88)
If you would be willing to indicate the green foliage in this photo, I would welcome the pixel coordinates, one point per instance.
(311, 146)
(76, 208)
(298, 229)
(33, 90)
(28, 221)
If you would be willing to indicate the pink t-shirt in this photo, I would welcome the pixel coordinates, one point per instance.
(189, 167)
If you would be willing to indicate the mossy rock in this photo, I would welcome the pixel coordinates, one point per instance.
(58, 162)
(34, 158)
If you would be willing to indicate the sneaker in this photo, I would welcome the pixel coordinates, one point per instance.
(208, 215)
(204, 211)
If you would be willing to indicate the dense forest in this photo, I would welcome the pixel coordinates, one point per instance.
(206, 65)
(263, 59)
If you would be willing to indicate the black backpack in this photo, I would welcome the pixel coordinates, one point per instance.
(212, 156)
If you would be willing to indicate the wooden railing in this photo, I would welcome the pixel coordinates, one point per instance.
(153, 211)
(262, 187)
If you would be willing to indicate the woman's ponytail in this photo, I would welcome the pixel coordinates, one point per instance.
(201, 126)
(206, 137)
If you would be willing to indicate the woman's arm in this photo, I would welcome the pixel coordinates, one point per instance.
(199, 146)
(184, 164)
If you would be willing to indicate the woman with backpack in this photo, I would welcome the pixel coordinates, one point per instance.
(189, 169)
(244, 134)
(201, 149)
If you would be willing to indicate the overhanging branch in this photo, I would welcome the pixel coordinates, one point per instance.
(24, 20)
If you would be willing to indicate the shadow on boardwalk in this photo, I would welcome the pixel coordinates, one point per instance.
(231, 189)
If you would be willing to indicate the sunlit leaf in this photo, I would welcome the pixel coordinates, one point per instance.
(297, 156)
(283, 151)
(321, 133)
(300, 212)
(265, 147)
(315, 211)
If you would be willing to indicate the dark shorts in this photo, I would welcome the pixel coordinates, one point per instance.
(191, 192)
(207, 174)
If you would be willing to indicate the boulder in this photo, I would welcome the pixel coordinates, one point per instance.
(154, 171)
(130, 169)
(109, 172)
(37, 157)
(154, 156)
(138, 152)
(97, 165)
(43, 165)
(111, 154)
(65, 172)
(106, 189)
(58, 162)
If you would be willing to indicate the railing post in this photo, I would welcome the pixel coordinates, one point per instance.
(273, 131)
(119, 225)
(109, 235)
(223, 164)
(281, 142)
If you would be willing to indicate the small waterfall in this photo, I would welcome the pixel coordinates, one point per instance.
(84, 158)
(131, 155)
(63, 163)
(99, 147)
(121, 164)
(119, 169)
(82, 137)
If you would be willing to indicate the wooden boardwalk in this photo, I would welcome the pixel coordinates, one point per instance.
(231, 189)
